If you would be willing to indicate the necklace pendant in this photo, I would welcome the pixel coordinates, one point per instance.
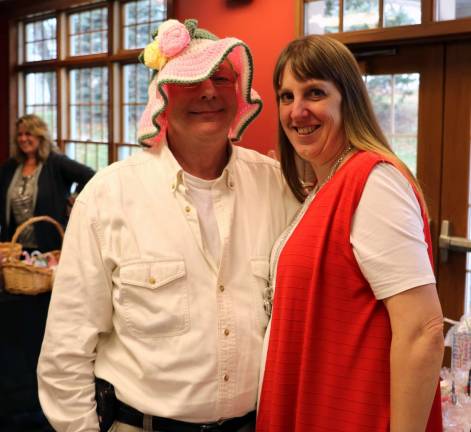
(268, 299)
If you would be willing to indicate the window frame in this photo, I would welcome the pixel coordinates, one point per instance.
(428, 29)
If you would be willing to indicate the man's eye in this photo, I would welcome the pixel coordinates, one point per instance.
(285, 97)
(222, 80)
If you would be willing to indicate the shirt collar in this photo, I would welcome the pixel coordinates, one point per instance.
(174, 171)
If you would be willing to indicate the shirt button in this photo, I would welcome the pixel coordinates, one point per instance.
(188, 209)
(152, 280)
(226, 332)
(221, 288)
(226, 377)
(173, 187)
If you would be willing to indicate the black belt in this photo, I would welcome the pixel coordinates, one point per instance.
(130, 416)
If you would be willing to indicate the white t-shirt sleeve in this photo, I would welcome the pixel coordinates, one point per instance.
(387, 234)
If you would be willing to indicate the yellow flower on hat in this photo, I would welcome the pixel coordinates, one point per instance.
(153, 58)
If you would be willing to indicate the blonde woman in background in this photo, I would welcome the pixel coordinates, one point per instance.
(36, 181)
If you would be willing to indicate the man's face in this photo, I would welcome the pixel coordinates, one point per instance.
(205, 109)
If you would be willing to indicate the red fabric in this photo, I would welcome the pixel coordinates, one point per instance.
(327, 364)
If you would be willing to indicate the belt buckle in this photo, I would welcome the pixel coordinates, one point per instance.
(213, 427)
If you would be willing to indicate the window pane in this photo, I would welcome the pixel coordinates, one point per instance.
(143, 10)
(126, 151)
(395, 99)
(40, 40)
(130, 37)
(85, 22)
(401, 12)
(98, 42)
(49, 26)
(130, 13)
(38, 31)
(95, 155)
(136, 80)
(143, 35)
(360, 14)
(452, 9)
(97, 20)
(141, 18)
(321, 17)
(89, 32)
(88, 111)
(74, 22)
(29, 32)
(41, 98)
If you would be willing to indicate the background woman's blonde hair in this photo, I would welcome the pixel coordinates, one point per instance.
(324, 58)
(36, 126)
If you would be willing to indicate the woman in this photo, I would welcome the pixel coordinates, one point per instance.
(355, 338)
(37, 181)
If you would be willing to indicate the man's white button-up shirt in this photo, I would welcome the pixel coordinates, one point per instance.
(139, 301)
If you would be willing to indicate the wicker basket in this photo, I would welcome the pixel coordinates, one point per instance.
(22, 278)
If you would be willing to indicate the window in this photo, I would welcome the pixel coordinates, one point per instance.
(140, 20)
(89, 87)
(40, 40)
(335, 16)
(135, 83)
(395, 100)
(401, 12)
(41, 98)
(89, 32)
(88, 114)
(452, 9)
(360, 15)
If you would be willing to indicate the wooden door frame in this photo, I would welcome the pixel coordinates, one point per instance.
(426, 59)
(456, 168)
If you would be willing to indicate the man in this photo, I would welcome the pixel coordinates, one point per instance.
(159, 292)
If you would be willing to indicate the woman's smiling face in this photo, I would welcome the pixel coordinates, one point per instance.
(27, 142)
(311, 116)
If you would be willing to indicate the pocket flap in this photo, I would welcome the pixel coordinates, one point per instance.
(152, 274)
(260, 267)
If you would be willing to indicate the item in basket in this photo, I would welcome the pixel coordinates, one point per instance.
(26, 257)
(38, 259)
(51, 260)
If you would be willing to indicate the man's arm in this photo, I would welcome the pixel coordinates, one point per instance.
(80, 310)
(416, 355)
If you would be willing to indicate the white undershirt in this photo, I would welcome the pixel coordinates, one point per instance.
(200, 194)
(387, 234)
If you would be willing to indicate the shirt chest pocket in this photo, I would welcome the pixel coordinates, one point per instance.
(154, 298)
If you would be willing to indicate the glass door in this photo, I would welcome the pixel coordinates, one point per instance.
(422, 96)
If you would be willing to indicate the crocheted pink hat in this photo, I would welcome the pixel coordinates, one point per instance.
(184, 54)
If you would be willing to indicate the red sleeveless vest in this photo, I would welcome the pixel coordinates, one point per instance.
(327, 365)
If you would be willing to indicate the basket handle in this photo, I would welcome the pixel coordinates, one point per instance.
(30, 221)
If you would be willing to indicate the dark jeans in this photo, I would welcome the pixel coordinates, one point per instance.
(22, 322)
